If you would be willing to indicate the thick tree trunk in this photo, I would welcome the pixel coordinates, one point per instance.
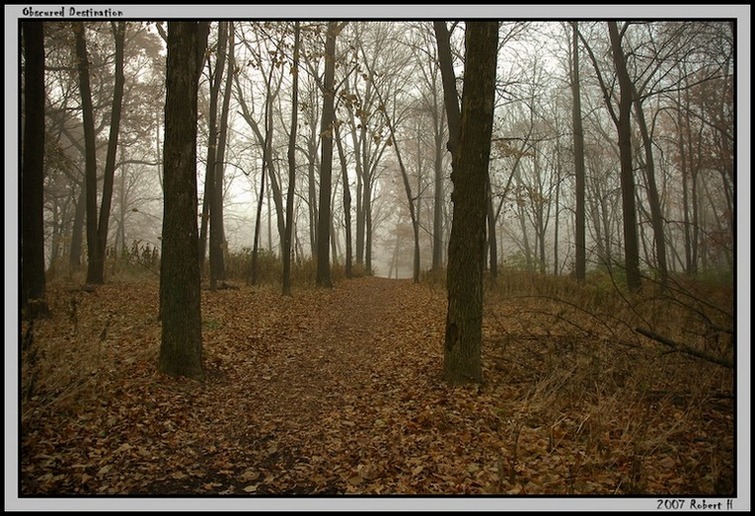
(180, 295)
(33, 302)
(466, 255)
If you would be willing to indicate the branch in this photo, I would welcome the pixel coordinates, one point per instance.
(686, 349)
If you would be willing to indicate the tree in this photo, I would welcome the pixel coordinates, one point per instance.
(180, 311)
(466, 248)
(374, 46)
(407, 189)
(97, 230)
(93, 247)
(622, 122)
(348, 265)
(631, 245)
(434, 104)
(33, 286)
(119, 34)
(212, 204)
(218, 244)
(326, 161)
(267, 63)
(291, 165)
(579, 160)
(390, 122)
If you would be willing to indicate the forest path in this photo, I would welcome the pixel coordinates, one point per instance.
(354, 338)
(324, 369)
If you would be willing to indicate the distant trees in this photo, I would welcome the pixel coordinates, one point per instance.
(180, 313)
(126, 80)
(554, 201)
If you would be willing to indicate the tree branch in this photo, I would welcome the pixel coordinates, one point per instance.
(683, 348)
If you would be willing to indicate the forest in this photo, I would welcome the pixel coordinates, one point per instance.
(378, 257)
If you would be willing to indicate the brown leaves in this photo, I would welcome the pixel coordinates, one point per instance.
(339, 391)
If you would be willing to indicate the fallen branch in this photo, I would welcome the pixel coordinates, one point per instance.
(686, 349)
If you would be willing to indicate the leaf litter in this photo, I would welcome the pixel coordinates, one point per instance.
(339, 391)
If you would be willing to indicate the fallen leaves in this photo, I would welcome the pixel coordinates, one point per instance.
(339, 391)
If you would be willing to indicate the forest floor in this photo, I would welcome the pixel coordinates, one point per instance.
(336, 391)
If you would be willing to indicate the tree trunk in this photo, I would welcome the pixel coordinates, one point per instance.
(450, 100)
(94, 258)
(631, 243)
(556, 207)
(579, 162)
(122, 202)
(470, 171)
(291, 167)
(656, 211)
(210, 196)
(326, 161)
(258, 224)
(180, 295)
(346, 205)
(33, 289)
(119, 34)
(407, 187)
(217, 230)
(77, 231)
(491, 240)
(450, 94)
(312, 191)
(438, 195)
(360, 222)
(367, 208)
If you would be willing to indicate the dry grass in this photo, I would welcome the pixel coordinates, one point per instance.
(616, 400)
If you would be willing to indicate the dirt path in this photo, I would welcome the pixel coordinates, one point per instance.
(352, 338)
(326, 373)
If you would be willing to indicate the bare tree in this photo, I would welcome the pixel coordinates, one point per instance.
(579, 159)
(326, 161)
(470, 169)
(291, 164)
